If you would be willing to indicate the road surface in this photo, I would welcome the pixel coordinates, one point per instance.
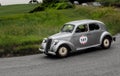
(94, 62)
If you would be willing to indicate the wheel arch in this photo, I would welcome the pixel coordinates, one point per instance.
(67, 44)
(105, 34)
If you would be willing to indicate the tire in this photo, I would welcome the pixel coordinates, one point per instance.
(62, 51)
(106, 43)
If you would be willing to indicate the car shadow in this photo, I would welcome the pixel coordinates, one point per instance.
(80, 52)
(89, 50)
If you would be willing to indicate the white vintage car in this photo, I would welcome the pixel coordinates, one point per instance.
(75, 36)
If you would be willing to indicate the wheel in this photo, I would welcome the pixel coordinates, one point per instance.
(106, 43)
(62, 51)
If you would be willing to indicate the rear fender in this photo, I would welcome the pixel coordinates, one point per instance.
(103, 35)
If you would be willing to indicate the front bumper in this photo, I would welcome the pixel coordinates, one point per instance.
(41, 50)
(114, 38)
(49, 52)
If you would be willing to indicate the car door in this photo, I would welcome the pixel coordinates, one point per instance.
(80, 38)
(94, 34)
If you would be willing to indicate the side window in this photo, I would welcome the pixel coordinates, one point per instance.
(93, 26)
(81, 28)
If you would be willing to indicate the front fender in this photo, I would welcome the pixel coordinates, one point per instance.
(61, 42)
(103, 35)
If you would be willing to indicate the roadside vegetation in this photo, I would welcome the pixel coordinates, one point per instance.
(16, 9)
(21, 32)
(115, 3)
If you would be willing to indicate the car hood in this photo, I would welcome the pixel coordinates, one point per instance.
(61, 36)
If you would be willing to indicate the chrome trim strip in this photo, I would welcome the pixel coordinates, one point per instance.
(88, 47)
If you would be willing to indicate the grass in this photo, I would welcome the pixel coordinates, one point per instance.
(21, 30)
(16, 9)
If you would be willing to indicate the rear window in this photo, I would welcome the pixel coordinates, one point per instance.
(93, 26)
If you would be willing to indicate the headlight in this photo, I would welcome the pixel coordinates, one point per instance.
(55, 42)
(44, 40)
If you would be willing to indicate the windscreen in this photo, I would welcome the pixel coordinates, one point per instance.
(67, 28)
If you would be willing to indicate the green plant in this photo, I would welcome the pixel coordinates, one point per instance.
(37, 9)
(109, 2)
(63, 5)
(53, 4)
(101, 12)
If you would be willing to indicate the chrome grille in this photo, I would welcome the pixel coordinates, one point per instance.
(48, 44)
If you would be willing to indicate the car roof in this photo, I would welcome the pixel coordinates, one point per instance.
(80, 22)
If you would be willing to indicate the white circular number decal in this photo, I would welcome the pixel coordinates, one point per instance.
(83, 39)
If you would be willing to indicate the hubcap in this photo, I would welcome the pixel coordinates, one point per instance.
(106, 43)
(63, 51)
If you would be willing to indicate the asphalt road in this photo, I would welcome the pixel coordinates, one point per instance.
(93, 62)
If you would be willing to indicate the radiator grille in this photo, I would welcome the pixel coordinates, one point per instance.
(48, 44)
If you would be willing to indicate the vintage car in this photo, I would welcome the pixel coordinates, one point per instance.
(76, 36)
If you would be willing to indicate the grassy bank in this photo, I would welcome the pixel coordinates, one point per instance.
(16, 9)
(21, 33)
